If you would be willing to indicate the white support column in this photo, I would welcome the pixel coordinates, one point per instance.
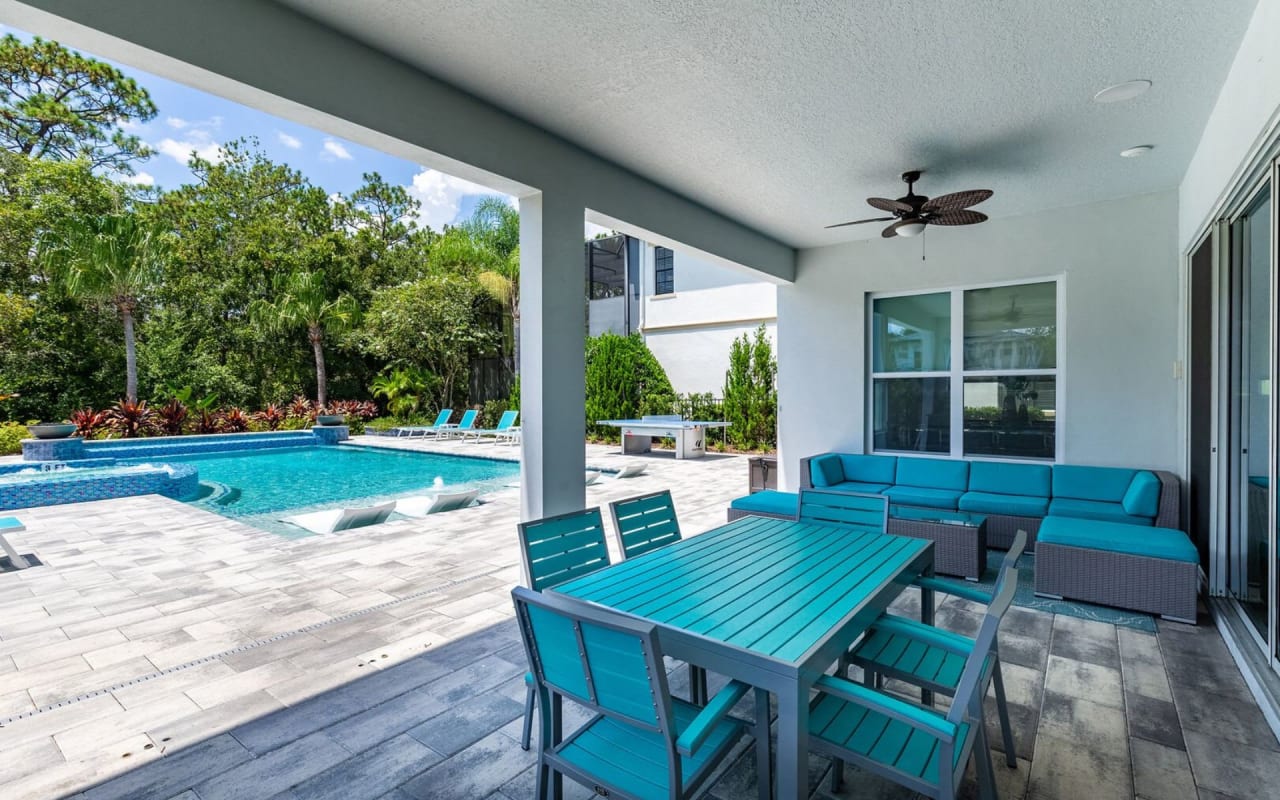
(552, 340)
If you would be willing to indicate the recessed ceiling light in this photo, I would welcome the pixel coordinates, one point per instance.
(1122, 91)
(1134, 152)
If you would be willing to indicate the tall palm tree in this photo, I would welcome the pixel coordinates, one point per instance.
(115, 259)
(496, 226)
(305, 301)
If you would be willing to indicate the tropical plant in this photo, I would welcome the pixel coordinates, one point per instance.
(496, 225)
(172, 417)
(623, 381)
(305, 301)
(234, 420)
(271, 417)
(116, 259)
(751, 393)
(88, 422)
(301, 408)
(131, 419)
(403, 389)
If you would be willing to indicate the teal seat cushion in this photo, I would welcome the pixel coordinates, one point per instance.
(1092, 509)
(856, 486)
(994, 477)
(1102, 484)
(1143, 497)
(1116, 537)
(769, 501)
(869, 469)
(1013, 505)
(826, 470)
(11, 524)
(921, 496)
(934, 473)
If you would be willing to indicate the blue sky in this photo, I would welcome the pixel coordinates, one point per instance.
(189, 120)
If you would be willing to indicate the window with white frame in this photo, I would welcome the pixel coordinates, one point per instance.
(966, 372)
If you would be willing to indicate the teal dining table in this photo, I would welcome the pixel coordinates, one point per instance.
(773, 603)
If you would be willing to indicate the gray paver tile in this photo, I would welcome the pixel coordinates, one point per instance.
(1160, 771)
(467, 722)
(1243, 771)
(174, 773)
(477, 771)
(372, 774)
(1064, 768)
(274, 772)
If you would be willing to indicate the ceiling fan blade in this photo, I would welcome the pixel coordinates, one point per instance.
(892, 206)
(960, 217)
(860, 221)
(892, 231)
(957, 200)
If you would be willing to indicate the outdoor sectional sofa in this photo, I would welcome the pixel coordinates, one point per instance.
(1013, 496)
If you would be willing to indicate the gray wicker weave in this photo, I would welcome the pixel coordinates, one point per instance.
(1154, 585)
(957, 549)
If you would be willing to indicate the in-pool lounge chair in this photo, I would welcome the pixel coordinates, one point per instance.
(441, 423)
(12, 525)
(505, 424)
(630, 471)
(466, 425)
(422, 505)
(341, 519)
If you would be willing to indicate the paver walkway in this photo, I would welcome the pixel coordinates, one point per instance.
(205, 659)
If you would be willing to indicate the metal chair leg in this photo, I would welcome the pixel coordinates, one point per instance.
(528, 719)
(983, 767)
(1002, 710)
(764, 758)
(697, 685)
(837, 775)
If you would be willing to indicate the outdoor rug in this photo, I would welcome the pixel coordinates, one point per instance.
(1026, 596)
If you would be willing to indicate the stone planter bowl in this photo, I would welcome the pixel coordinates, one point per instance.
(52, 430)
(329, 419)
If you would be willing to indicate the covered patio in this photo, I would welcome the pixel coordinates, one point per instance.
(1069, 329)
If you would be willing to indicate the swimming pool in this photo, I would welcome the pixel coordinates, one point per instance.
(260, 487)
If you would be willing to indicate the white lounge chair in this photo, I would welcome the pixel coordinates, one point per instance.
(422, 505)
(341, 519)
(12, 525)
(592, 476)
(630, 471)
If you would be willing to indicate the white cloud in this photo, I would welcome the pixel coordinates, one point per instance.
(177, 123)
(291, 142)
(591, 230)
(130, 125)
(180, 151)
(441, 197)
(336, 150)
(140, 179)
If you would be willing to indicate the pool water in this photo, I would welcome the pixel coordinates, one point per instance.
(261, 487)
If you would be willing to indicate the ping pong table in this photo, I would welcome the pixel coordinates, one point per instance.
(638, 434)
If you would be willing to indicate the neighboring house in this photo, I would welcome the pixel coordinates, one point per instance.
(687, 309)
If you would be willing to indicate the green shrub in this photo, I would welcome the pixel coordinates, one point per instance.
(513, 400)
(491, 412)
(11, 436)
(624, 381)
(382, 424)
(295, 424)
(751, 393)
(355, 424)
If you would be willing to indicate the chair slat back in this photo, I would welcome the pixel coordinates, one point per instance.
(508, 419)
(863, 512)
(442, 417)
(468, 418)
(968, 697)
(560, 548)
(645, 523)
(606, 661)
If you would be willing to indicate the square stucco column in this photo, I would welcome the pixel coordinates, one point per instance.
(552, 340)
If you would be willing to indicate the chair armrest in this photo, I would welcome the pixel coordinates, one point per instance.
(951, 642)
(703, 724)
(913, 715)
(947, 587)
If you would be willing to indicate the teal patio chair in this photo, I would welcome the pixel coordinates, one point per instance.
(463, 426)
(442, 421)
(932, 658)
(645, 523)
(914, 746)
(863, 512)
(505, 424)
(554, 550)
(641, 741)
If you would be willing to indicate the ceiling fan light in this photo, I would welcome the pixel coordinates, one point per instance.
(910, 229)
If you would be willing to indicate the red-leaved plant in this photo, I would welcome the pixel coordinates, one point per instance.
(302, 408)
(88, 422)
(234, 420)
(273, 416)
(172, 417)
(131, 420)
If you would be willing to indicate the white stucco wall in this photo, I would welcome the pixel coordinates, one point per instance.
(1244, 119)
(696, 359)
(1118, 397)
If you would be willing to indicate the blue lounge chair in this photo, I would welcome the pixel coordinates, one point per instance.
(505, 424)
(552, 551)
(463, 426)
(862, 512)
(442, 421)
(641, 741)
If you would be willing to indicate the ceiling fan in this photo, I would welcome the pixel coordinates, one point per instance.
(912, 213)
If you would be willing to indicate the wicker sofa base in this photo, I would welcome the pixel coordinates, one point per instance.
(737, 513)
(957, 549)
(1155, 585)
(1001, 529)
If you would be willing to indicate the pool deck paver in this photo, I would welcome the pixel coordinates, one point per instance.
(419, 692)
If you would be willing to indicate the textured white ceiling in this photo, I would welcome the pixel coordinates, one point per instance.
(785, 115)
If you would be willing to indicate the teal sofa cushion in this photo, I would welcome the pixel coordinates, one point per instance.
(934, 473)
(826, 470)
(1143, 497)
(1031, 480)
(1093, 509)
(923, 496)
(870, 469)
(1103, 484)
(1014, 505)
(1116, 537)
(858, 486)
(769, 501)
